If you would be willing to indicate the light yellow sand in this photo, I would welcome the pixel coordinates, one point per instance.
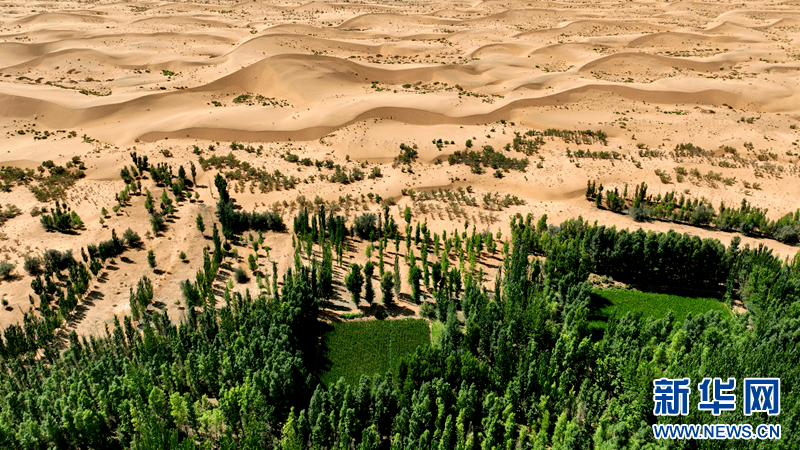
(333, 77)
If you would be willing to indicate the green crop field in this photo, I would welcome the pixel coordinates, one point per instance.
(604, 301)
(369, 347)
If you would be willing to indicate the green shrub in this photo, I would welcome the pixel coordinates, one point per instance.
(5, 269)
(131, 238)
(241, 276)
(427, 310)
(365, 224)
(33, 265)
(640, 213)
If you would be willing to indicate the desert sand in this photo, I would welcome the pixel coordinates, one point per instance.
(351, 81)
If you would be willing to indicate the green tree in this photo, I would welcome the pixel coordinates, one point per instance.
(199, 221)
(222, 187)
(397, 285)
(369, 293)
(290, 440)
(354, 281)
(414, 277)
(387, 288)
(151, 258)
(148, 202)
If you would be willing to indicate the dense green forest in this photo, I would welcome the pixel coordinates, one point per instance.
(522, 371)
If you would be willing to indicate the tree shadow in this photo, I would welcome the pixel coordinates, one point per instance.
(222, 275)
(126, 260)
(323, 362)
(92, 297)
(334, 306)
(330, 316)
(596, 305)
(77, 315)
(487, 265)
(394, 310)
(405, 297)
(12, 277)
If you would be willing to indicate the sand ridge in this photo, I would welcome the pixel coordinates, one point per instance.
(348, 82)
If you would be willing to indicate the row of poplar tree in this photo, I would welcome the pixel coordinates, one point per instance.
(521, 371)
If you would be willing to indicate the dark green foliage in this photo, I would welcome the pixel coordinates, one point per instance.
(369, 291)
(222, 187)
(157, 222)
(140, 161)
(354, 281)
(131, 238)
(747, 219)
(408, 154)
(240, 275)
(151, 258)
(148, 202)
(5, 269)
(61, 219)
(702, 215)
(33, 265)
(525, 368)
(199, 222)
(427, 310)
(690, 150)
(528, 146)
(161, 174)
(614, 201)
(387, 288)
(141, 297)
(414, 277)
(787, 234)
(365, 224)
(487, 158)
(640, 213)
(234, 221)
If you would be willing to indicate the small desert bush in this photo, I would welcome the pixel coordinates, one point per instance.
(33, 265)
(241, 276)
(5, 269)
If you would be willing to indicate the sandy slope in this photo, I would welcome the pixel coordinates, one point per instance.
(351, 81)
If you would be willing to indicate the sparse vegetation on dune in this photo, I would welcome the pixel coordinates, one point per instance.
(747, 219)
(397, 257)
(48, 182)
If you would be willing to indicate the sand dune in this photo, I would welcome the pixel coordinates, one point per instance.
(348, 82)
(391, 21)
(679, 41)
(61, 19)
(178, 21)
(594, 27)
(643, 64)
